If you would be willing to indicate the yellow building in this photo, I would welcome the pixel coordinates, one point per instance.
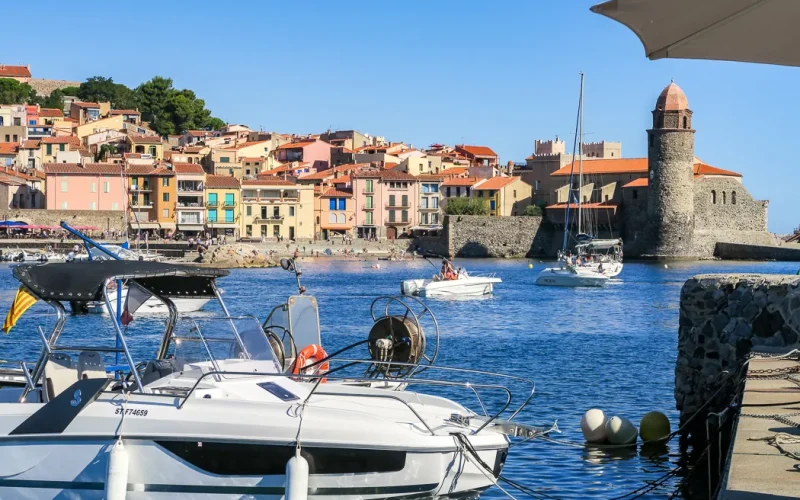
(153, 195)
(51, 146)
(275, 208)
(147, 144)
(227, 160)
(222, 205)
(505, 195)
(90, 127)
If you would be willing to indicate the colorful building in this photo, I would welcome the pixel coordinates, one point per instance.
(430, 201)
(385, 203)
(504, 195)
(315, 152)
(336, 215)
(93, 186)
(222, 205)
(478, 156)
(147, 145)
(153, 197)
(51, 146)
(190, 210)
(274, 208)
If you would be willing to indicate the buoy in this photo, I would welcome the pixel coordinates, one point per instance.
(620, 430)
(117, 473)
(296, 477)
(530, 266)
(593, 425)
(666, 266)
(654, 427)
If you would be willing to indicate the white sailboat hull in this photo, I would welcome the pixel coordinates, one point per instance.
(610, 269)
(558, 276)
(464, 287)
(151, 306)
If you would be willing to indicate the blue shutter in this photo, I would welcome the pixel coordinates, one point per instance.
(332, 205)
(342, 202)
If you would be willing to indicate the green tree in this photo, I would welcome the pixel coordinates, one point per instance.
(102, 89)
(171, 111)
(533, 211)
(55, 100)
(70, 91)
(215, 123)
(104, 151)
(466, 206)
(14, 92)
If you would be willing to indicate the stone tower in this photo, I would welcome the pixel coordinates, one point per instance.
(670, 161)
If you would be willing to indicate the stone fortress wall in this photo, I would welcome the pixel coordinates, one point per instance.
(101, 219)
(44, 87)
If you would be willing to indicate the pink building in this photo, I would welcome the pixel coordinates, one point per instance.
(314, 152)
(386, 203)
(94, 186)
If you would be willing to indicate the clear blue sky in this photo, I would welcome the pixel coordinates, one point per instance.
(500, 74)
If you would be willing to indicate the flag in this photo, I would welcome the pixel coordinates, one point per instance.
(135, 298)
(22, 302)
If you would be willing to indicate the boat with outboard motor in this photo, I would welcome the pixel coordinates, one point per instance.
(450, 282)
(215, 413)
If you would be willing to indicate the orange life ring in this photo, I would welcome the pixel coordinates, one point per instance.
(310, 354)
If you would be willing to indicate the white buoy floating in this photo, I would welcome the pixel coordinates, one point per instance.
(593, 425)
(666, 266)
(117, 473)
(296, 477)
(620, 430)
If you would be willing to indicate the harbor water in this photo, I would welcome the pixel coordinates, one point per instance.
(612, 348)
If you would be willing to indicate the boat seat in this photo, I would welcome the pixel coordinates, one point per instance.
(91, 365)
(59, 374)
(156, 369)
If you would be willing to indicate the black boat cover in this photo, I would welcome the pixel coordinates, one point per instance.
(84, 281)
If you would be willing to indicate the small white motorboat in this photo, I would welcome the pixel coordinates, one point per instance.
(571, 276)
(451, 283)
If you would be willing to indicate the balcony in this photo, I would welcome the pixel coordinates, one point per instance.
(212, 204)
(268, 219)
(189, 187)
(396, 222)
(140, 189)
(190, 220)
(229, 204)
(429, 209)
(399, 206)
(368, 191)
(142, 204)
(365, 207)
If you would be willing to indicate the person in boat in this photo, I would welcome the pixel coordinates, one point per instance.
(448, 273)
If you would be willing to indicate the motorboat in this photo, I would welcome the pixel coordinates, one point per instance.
(602, 255)
(120, 251)
(213, 414)
(151, 306)
(450, 282)
(568, 275)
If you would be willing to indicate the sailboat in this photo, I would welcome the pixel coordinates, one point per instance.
(574, 271)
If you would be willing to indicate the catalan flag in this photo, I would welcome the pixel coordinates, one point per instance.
(22, 302)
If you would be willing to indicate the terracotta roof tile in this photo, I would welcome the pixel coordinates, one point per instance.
(63, 139)
(7, 71)
(477, 150)
(456, 171)
(384, 175)
(496, 183)
(139, 170)
(193, 149)
(221, 182)
(336, 193)
(431, 177)
(231, 147)
(51, 113)
(31, 144)
(188, 168)
(324, 174)
(703, 169)
(9, 148)
(460, 181)
(268, 181)
(199, 133)
(640, 182)
(293, 145)
(341, 180)
(145, 139)
(114, 112)
(87, 169)
(606, 166)
(86, 104)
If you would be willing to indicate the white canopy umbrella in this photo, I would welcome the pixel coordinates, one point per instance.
(760, 31)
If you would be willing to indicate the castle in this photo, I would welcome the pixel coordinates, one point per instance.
(668, 205)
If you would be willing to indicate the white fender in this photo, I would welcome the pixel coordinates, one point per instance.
(296, 478)
(117, 473)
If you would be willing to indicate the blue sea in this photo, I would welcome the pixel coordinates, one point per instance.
(611, 348)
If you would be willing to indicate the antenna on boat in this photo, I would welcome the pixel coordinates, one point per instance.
(291, 265)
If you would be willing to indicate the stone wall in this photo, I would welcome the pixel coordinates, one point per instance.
(737, 251)
(634, 221)
(723, 318)
(743, 214)
(102, 219)
(45, 87)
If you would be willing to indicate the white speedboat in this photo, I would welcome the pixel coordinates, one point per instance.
(451, 282)
(213, 415)
(571, 276)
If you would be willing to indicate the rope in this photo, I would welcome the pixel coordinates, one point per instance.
(779, 439)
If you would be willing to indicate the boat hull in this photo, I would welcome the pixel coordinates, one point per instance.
(151, 305)
(555, 276)
(464, 287)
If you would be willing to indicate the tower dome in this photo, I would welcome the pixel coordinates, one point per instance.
(672, 98)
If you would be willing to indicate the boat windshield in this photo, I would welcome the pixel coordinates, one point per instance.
(117, 250)
(210, 341)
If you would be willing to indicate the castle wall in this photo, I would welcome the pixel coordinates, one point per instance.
(670, 208)
(634, 221)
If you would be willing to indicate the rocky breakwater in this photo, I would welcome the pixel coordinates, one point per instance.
(722, 319)
(236, 256)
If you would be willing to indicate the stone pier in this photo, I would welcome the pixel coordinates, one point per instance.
(722, 319)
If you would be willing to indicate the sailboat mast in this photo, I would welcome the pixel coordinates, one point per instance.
(580, 160)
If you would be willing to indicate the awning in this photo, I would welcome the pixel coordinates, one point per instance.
(145, 225)
(222, 225)
(190, 227)
(425, 228)
(759, 31)
(167, 225)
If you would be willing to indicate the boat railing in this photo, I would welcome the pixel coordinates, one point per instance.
(475, 388)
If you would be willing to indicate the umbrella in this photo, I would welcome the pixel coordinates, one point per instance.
(760, 31)
(12, 223)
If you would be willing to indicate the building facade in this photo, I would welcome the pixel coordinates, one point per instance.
(385, 203)
(94, 186)
(190, 211)
(222, 205)
(277, 209)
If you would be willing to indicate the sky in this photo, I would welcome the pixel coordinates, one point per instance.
(500, 74)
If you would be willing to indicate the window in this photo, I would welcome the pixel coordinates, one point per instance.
(212, 215)
(152, 151)
(733, 197)
(434, 202)
(276, 212)
(49, 147)
(93, 188)
(434, 218)
(391, 200)
(63, 186)
(332, 218)
(165, 213)
(392, 216)
(724, 197)
(165, 197)
(405, 216)
(264, 231)
(342, 203)
(405, 201)
(212, 199)
(16, 139)
(713, 197)
(340, 219)
(606, 198)
(229, 215)
(229, 200)
(492, 205)
(458, 192)
(224, 159)
(368, 187)
(650, 140)
(106, 187)
(480, 194)
(63, 205)
(248, 229)
(165, 181)
(423, 203)
(368, 220)
(61, 147)
(369, 202)
(685, 122)
(291, 211)
(332, 204)
(447, 192)
(635, 194)
(515, 194)
(115, 206)
(276, 231)
(93, 205)
(317, 219)
(249, 210)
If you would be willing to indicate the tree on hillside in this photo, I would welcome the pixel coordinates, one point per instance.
(14, 92)
(55, 100)
(102, 89)
(172, 111)
(465, 206)
(70, 91)
(533, 211)
(216, 123)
